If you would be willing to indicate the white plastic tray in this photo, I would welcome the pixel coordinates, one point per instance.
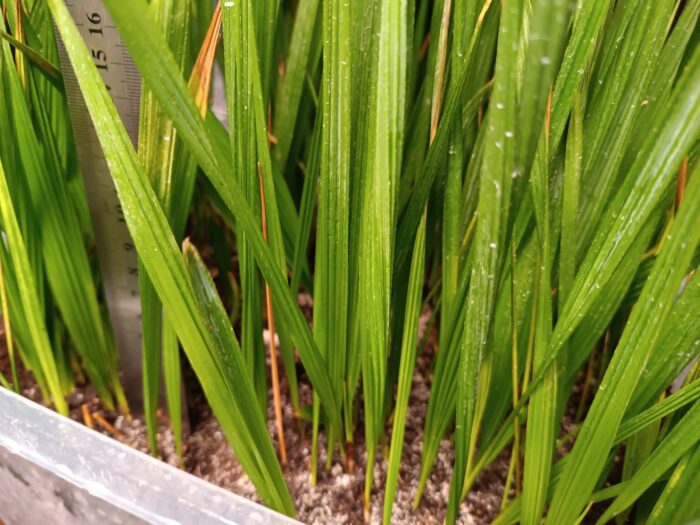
(56, 471)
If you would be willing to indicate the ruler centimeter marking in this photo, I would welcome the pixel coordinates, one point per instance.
(115, 250)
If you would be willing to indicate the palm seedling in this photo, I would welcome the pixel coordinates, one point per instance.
(524, 171)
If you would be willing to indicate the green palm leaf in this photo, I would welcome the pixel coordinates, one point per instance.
(680, 126)
(189, 299)
(159, 70)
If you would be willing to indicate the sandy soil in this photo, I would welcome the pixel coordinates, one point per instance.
(337, 496)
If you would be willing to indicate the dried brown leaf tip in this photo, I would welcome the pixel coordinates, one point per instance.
(200, 80)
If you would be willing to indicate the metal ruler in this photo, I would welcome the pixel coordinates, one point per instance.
(115, 250)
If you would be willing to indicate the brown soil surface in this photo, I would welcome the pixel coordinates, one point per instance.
(337, 496)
